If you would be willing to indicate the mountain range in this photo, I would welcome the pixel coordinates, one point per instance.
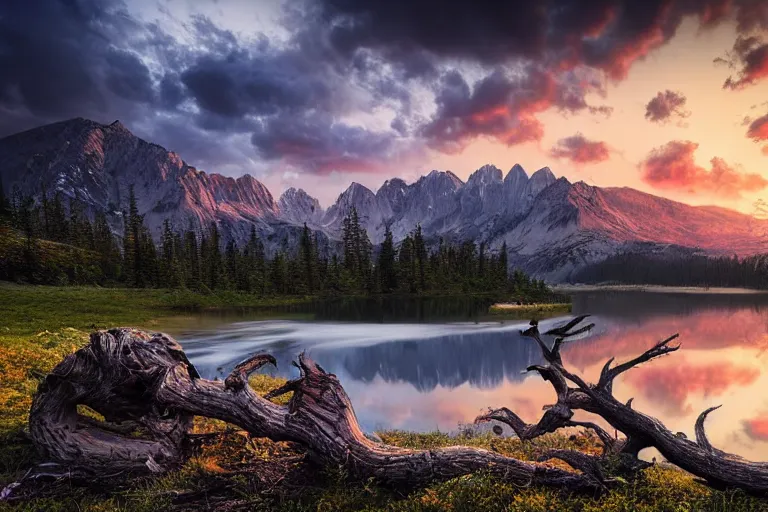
(552, 227)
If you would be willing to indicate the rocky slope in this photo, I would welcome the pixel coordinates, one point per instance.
(99, 163)
(551, 226)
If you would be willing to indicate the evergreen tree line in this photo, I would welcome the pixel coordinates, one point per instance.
(679, 270)
(204, 261)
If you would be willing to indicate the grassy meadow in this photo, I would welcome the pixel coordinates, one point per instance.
(230, 471)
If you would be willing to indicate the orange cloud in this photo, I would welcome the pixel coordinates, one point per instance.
(672, 166)
(579, 149)
(704, 330)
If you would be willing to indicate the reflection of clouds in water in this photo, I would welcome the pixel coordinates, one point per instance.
(427, 376)
(708, 329)
(668, 385)
(757, 428)
(398, 405)
(425, 355)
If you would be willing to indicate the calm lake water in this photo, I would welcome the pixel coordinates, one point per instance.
(434, 364)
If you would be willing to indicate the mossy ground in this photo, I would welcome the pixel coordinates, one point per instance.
(231, 471)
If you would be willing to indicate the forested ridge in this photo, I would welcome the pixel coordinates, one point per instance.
(679, 270)
(53, 241)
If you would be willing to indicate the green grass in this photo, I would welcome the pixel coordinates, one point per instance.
(26, 310)
(39, 325)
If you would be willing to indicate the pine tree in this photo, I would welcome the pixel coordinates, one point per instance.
(387, 272)
(406, 262)
(58, 223)
(132, 242)
(232, 263)
(307, 258)
(170, 265)
(481, 264)
(503, 264)
(420, 254)
(5, 206)
(191, 257)
(106, 246)
(46, 213)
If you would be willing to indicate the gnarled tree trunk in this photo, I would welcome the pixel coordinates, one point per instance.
(715, 467)
(145, 380)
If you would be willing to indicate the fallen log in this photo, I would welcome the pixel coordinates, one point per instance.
(136, 378)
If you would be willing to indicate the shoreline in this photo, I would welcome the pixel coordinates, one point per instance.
(573, 288)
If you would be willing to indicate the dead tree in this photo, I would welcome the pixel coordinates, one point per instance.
(715, 467)
(143, 383)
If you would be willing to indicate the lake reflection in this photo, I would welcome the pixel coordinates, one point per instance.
(435, 376)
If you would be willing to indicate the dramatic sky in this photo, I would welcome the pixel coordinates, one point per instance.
(668, 96)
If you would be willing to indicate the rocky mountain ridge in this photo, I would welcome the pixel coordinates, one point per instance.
(551, 226)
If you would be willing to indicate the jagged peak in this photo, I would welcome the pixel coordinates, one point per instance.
(441, 175)
(247, 179)
(542, 178)
(516, 171)
(488, 172)
(394, 182)
(355, 189)
(293, 193)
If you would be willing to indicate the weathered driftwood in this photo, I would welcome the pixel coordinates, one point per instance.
(139, 380)
(715, 467)
(145, 380)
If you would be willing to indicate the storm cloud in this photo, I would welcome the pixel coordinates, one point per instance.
(349, 84)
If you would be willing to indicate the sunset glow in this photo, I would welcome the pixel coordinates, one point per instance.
(596, 93)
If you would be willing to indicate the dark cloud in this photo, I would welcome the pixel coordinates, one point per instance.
(56, 57)
(579, 149)
(499, 106)
(503, 105)
(672, 166)
(239, 83)
(750, 57)
(290, 97)
(752, 15)
(758, 131)
(172, 91)
(317, 144)
(486, 31)
(666, 105)
(128, 77)
(606, 34)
